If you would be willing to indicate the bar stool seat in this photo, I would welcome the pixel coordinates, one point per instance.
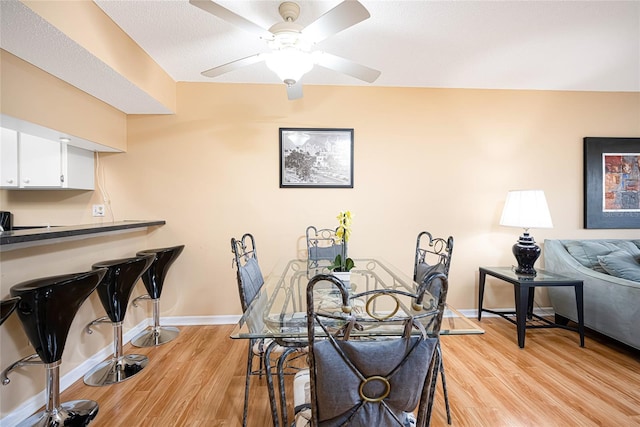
(153, 280)
(6, 308)
(46, 308)
(114, 291)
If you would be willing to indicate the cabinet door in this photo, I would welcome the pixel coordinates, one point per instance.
(40, 162)
(8, 158)
(79, 170)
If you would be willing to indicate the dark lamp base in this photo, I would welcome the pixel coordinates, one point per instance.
(527, 253)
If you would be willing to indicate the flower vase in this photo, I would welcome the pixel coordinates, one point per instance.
(344, 276)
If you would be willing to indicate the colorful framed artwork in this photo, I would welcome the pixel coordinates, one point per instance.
(611, 182)
(316, 158)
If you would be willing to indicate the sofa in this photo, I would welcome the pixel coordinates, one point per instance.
(610, 270)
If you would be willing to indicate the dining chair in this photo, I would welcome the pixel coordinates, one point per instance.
(357, 378)
(322, 245)
(433, 257)
(250, 281)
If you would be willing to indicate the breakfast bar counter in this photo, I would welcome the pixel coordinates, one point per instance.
(34, 236)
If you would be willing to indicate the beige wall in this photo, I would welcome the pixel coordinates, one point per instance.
(30, 94)
(425, 159)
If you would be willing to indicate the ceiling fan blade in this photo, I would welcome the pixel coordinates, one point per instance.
(231, 17)
(233, 65)
(341, 17)
(346, 66)
(294, 91)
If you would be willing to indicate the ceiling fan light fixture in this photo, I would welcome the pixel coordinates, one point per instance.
(290, 64)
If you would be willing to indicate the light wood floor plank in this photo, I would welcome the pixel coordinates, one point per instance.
(198, 380)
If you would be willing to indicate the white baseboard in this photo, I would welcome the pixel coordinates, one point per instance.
(30, 406)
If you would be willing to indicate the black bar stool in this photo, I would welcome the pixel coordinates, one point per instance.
(114, 291)
(46, 310)
(6, 308)
(153, 280)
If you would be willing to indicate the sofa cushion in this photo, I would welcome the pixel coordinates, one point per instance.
(621, 264)
(628, 246)
(586, 252)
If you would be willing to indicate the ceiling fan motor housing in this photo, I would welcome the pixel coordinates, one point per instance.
(289, 11)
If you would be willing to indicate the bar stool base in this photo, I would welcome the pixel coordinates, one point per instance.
(75, 413)
(155, 336)
(116, 370)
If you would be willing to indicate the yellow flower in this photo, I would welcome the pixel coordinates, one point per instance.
(343, 232)
(344, 228)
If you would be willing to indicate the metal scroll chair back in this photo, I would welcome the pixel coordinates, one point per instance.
(358, 381)
(432, 259)
(432, 256)
(322, 246)
(431, 251)
(248, 273)
(250, 281)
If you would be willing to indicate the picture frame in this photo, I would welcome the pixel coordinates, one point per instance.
(611, 182)
(316, 158)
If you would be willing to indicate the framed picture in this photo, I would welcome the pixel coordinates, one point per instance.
(316, 158)
(612, 182)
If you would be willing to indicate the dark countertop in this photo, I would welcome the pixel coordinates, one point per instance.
(41, 235)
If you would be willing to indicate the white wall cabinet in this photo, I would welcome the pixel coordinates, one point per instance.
(32, 162)
(39, 162)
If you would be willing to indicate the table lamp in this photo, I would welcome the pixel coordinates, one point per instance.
(526, 209)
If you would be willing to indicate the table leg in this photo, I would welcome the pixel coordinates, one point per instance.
(530, 299)
(580, 310)
(481, 293)
(270, 387)
(521, 297)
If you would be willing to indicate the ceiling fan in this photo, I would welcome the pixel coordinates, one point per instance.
(291, 44)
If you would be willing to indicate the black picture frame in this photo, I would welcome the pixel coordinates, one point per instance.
(316, 158)
(611, 182)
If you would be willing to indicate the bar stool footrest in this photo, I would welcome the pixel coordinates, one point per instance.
(30, 360)
(104, 319)
(141, 297)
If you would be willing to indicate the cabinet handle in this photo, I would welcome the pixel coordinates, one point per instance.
(10, 181)
(27, 180)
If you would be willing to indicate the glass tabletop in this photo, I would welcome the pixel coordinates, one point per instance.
(509, 274)
(456, 323)
(279, 310)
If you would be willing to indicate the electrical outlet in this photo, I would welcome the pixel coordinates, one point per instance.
(98, 210)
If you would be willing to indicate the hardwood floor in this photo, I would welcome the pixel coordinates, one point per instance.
(198, 380)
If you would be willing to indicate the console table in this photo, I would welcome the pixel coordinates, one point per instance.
(524, 289)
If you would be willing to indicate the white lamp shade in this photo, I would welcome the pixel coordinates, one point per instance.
(289, 64)
(526, 209)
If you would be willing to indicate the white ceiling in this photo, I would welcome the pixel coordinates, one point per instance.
(540, 45)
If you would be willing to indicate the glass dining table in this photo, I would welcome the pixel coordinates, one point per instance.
(278, 312)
